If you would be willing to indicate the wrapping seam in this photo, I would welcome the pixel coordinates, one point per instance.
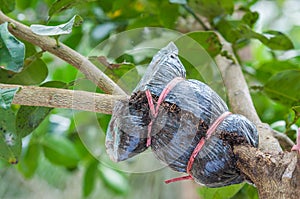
(154, 110)
(199, 146)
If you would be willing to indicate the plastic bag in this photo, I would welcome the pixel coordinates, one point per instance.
(182, 121)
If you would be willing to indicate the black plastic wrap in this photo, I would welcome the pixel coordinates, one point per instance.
(184, 117)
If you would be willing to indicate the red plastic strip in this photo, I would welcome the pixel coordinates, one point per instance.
(199, 146)
(178, 179)
(154, 111)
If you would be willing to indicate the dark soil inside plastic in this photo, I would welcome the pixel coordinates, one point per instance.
(138, 105)
(232, 139)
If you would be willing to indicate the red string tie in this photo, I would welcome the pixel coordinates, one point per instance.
(199, 146)
(154, 110)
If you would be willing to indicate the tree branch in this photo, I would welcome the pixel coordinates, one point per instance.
(65, 53)
(240, 98)
(275, 173)
(64, 98)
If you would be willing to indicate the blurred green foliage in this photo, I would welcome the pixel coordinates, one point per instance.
(52, 147)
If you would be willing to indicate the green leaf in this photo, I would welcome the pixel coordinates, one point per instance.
(250, 18)
(267, 69)
(178, 1)
(277, 41)
(167, 14)
(12, 51)
(114, 180)
(29, 118)
(219, 193)
(62, 29)
(7, 5)
(284, 87)
(60, 150)
(208, 40)
(7, 96)
(30, 159)
(61, 5)
(10, 142)
(89, 179)
(34, 73)
(212, 8)
(236, 31)
(247, 192)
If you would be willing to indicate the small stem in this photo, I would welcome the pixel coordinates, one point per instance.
(237, 56)
(189, 9)
(56, 37)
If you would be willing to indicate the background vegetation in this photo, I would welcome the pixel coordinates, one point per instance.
(54, 163)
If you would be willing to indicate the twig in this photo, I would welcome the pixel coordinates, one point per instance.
(189, 9)
(63, 98)
(65, 53)
(285, 142)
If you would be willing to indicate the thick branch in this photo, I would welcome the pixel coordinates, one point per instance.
(63, 98)
(240, 98)
(274, 173)
(64, 52)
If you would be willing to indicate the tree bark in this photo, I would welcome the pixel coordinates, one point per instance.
(64, 98)
(275, 173)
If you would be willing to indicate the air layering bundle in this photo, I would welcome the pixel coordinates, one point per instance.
(185, 122)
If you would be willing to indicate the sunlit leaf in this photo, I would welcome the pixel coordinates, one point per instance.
(89, 178)
(7, 5)
(10, 142)
(247, 192)
(114, 180)
(12, 51)
(6, 97)
(30, 159)
(60, 150)
(284, 87)
(278, 41)
(219, 193)
(61, 29)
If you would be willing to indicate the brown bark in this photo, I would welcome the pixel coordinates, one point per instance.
(63, 98)
(275, 173)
